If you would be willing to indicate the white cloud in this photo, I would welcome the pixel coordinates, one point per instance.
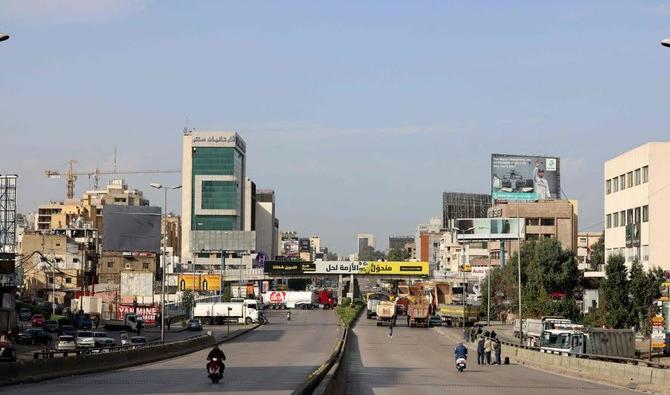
(63, 11)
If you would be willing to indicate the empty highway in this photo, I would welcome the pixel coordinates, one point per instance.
(273, 359)
(420, 361)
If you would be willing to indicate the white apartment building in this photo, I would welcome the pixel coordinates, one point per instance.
(637, 194)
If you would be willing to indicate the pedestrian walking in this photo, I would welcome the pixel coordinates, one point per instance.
(96, 321)
(391, 329)
(488, 348)
(473, 334)
(139, 327)
(169, 321)
(479, 330)
(480, 351)
(497, 348)
(493, 335)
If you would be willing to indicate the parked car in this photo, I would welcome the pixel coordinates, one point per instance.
(194, 325)
(85, 339)
(103, 341)
(83, 322)
(50, 326)
(38, 320)
(7, 351)
(66, 343)
(67, 330)
(33, 336)
(435, 320)
(25, 314)
(138, 341)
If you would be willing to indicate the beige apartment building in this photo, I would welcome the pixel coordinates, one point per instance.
(544, 219)
(111, 264)
(637, 196)
(585, 242)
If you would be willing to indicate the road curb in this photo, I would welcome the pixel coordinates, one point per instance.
(48, 369)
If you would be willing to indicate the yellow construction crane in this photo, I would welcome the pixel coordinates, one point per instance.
(71, 175)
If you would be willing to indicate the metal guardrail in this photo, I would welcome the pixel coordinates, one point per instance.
(317, 376)
(604, 358)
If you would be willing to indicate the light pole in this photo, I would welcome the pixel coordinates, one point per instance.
(165, 188)
(518, 261)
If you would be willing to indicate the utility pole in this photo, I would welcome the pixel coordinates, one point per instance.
(518, 256)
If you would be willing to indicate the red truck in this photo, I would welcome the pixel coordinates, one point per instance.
(326, 299)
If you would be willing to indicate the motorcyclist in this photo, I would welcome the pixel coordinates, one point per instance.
(288, 315)
(460, 351)
(220, 356)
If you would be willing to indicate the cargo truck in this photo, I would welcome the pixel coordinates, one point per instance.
(418, 315)
(570, 339)
(243, 312)
(326, 299)
(534, 327)
(128, 323)
(452, 315)
(290, 299)
(373, 301)
(385, 313)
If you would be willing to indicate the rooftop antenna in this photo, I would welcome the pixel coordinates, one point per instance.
(114, 162)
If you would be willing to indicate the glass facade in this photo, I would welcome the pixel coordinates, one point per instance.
(217, 194)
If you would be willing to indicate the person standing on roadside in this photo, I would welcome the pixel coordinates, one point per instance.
(480, 351)
(488, 348)
(391, 328)
(497, 348)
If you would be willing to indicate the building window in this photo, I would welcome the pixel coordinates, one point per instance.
(629, 216)
(645, 253)
(638, 215)
(532, 236)
(547, 236)
(629, 179)
(622, 182)
(622, 218)
(645, 213)
(645, 174)
(145, 265)
(532, 221)
(615, 184)
(547, 222)
(608, 187)
(68, 280)
(615, 220)
(637, 177)
(608, 253)
(609, 221)
(110, 264)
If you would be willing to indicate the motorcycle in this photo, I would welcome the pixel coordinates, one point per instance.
(214, 369)
(460, 364)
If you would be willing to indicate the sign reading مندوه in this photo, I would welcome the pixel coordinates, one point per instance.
(406, 268)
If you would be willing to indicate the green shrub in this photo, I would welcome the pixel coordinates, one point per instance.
(348, 313)
(346, 301)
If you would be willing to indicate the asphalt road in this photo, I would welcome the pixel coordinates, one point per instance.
(272, 359)
(420, 361)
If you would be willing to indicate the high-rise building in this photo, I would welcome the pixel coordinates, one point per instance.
(637, 205)
(267, 224)
(315, 243)
(213, 194)
(365, 240)
(463, 205)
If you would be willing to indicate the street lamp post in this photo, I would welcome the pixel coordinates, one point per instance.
(464, 283)
(164, 242)
(518, 261)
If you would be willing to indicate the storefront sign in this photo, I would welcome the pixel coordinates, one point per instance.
(658, 332)
(148, 313)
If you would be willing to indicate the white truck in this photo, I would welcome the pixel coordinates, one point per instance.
(574, 339)
(243, 312)
(290, 299)
(534, 327)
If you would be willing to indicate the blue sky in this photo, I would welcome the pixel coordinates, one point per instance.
(358, 114)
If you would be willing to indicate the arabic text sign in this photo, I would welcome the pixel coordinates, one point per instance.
(402, 268)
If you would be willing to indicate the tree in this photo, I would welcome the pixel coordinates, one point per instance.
(187, 299)
(368, 253)
(643, 289)
(615, 292)
(598, 254)
(227, 294)
(398, 255)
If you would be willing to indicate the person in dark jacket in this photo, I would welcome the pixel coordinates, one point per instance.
(497, 348)
(220, 356)
(461, 351)
(480, 351)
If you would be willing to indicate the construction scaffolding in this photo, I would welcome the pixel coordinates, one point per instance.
(457, 205)
(8, 213)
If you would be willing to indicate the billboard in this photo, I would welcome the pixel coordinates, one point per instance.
(345, 267)
(200, 282)
(131, 228)
(137, 284)
(289, 249)
(490, 228)
(525, 178)
(304, 245)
